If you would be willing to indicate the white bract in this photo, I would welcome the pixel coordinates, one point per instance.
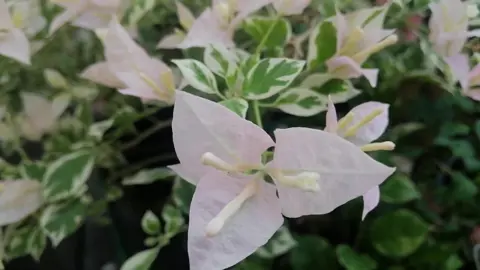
(129, 68)
(313, 172)
(19, 199)
(362, 125)
(13, 42)
(89, 14)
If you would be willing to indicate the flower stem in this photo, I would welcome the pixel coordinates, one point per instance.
(267, 35)
(257, 117)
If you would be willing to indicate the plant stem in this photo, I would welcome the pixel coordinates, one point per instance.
(147, 133)
(267, 35)
(257, 117)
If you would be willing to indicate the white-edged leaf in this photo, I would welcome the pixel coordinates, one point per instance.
(67, 175)
(60, 220)
(343, 96)
(197, 75)
(55, 79)
(270, 76)
(173, 220)
(322, 44)
(278, 245)
(148, 176)
(257, 27)
(302, 102)
(141, 261)
(98, 129)
(150, 223)
(236, 105)
(220, 60)
(27, 240)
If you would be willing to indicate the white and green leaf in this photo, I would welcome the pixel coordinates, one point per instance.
(197, 75)
(142, 260)
(148, 176)
(28, 240)
(150, 223)
(322, 44)
(236, 105)
(302, 102)
(279, 244)
(67, 175)
(60, 220)
(220, 60)
(258, 27)
(270, 76)
(98, 129)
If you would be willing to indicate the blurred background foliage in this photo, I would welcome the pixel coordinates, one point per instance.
(429, 214)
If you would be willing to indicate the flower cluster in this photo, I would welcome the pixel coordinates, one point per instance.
(246, 180)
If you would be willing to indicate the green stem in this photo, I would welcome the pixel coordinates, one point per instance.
(257, 117)
(267, 35)
(147, 133)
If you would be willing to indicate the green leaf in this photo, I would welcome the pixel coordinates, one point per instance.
(67, 175)
(258, 27)
(141, 261)
(236, 105)
(399, 189)
(183, 194)
(322, 44)
(302, 102)
(270, 76)
(173, 220)
(98, 129)
(351, 260)
(197, 75)
(150, 223)
(463, 187)
(60, 220)
(28, 240)
(148, 176)
(398, 234)
(32, 171)
(220, 60)
(313, 252)
(55, 79)
(281, 242)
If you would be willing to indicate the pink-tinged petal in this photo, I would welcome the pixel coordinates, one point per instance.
(345, 68)
(94, 19)
(69, 14)
(146, 81)
(185, 173)
(359, 17)
(39, 112)
(19, 199)
(144, 93)
(460, 68)
(206, 30)
(246, 8)
(474, 76)
(371, 130)
(370, 201)
(248, 229)
(15, 45)
(184, 15)
(345, 172)
(371, 74)
(449, 44)
(473, 94)
(341, 25)
(170, 41)
(289, 7)
(121, 51)
(100, 73)
(200, 126)
(5, 18)
(331, 121)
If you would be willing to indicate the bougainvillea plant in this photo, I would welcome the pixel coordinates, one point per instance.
(236, 63)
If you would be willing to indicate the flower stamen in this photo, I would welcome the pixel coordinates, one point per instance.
(210, 159)
(218, 222)
(379, 146)
(307, 181)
